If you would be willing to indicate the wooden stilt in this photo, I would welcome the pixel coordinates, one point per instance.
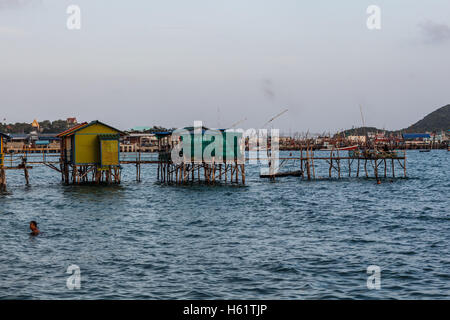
(365, 168)
(376, 168)
(301, 161)
(404, 163)
(339, 165)
(331, 164)
(349, 168)
(357, 170)
(393, 169)
(2, 179)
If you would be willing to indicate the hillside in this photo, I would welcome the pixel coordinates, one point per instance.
(361, 131)
(436, 121)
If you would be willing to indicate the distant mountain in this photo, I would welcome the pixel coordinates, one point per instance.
(436, 121)
(361, 131)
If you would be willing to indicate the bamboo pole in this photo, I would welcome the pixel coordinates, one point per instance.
(365, 168)
(331, 163)
(357, 170)
(301, 160)
(313, 166)
(339, 164)
(393, 169)
(376, 168)
(349, 168)
(2, 179)
(404, 163)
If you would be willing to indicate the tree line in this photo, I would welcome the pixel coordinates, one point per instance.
(45, 126)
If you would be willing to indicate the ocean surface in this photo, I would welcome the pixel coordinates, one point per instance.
(288, 239)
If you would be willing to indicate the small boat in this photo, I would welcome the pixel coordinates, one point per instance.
(350, 148)
(347, 148)
(426, 150)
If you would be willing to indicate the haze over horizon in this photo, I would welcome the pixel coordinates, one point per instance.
(170, 63)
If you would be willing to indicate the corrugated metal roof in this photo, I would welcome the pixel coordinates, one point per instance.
(71, 130)
(109, 136)
(85, 125)
(5, 136)
(19, 135)
(42, 142)
(415, 135)
(162, 134)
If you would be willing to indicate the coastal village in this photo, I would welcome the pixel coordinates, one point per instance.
(95, 152)
(144, 139)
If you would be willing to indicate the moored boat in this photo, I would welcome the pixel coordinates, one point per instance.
(350, 148)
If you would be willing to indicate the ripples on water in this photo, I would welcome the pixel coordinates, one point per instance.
(288, 239)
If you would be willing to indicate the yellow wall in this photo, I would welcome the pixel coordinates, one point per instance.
(110, 153)
(86, 149)
(1, 152)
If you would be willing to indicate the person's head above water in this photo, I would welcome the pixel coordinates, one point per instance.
(34, 228)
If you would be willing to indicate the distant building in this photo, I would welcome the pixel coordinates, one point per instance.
(46, 140)
(416, 140)
(357, 139)
(71, 122)
(25, 141)
(5, 136)
(18, 141)
(416, 136)
(144, 142)
(35, 124)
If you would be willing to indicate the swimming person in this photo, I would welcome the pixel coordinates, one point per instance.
(34, 229)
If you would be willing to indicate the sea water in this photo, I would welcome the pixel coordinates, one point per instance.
(283, 239)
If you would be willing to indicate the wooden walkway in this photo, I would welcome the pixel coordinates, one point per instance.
(374, 164)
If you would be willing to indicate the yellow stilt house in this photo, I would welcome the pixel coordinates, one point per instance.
(3, 139)
(90, 152)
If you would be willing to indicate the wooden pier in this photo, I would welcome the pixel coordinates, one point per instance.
(308, 163)
(356, 162)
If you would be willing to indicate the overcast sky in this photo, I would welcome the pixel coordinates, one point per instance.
(146, 62)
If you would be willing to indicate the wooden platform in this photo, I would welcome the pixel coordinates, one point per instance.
(297, 173)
